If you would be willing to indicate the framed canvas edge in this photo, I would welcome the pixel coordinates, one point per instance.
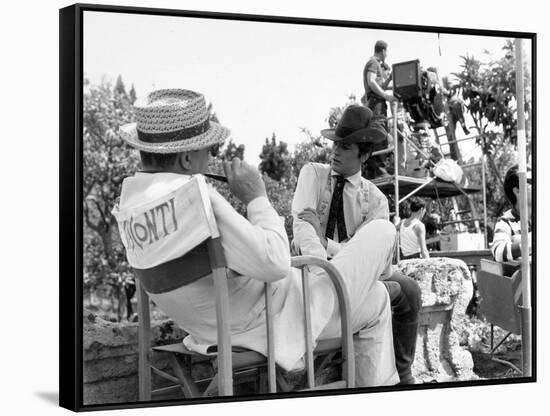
(534, 143)
(302, 20)
(70, 234)
(70, 200)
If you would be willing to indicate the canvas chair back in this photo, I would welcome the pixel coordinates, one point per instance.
(499, 287)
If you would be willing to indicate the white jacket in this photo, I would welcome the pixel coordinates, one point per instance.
(255, 248)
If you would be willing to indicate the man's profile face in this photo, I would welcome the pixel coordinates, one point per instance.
(529, 196)
(345, 158)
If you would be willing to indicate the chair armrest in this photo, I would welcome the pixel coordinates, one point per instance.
(333, 273)
(343, 303)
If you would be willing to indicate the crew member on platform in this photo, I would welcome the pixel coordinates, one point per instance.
(376, 77)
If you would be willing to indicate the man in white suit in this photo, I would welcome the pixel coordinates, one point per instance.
(333, 203)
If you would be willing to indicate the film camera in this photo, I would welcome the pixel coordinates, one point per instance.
(417, 88)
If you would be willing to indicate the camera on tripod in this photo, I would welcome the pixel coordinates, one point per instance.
(417, 89)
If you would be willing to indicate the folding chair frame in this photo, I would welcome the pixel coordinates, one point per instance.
(499, 302)
(222, 382)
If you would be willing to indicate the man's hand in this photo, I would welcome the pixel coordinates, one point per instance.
(388, 95)
(309, 215)
(244, 180)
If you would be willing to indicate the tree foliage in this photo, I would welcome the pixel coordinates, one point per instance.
(232, 150)
(489, 91)
(313, 149)
(275, 159)
(107, 160)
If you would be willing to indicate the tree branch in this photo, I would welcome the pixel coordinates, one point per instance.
(89, 223)
(98, 207)
(89, 188)
(494, 166)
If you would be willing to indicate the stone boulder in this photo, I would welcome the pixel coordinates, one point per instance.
(110, 357)
(446, 286)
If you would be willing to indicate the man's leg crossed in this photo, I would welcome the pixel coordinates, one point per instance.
(405, 296)
(361, 262)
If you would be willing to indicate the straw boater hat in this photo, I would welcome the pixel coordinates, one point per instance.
(172, 121)
(357, 125)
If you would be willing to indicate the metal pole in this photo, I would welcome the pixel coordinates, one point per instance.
(396, 176)
(484, 190)
(524, 221)
(418, 149)
(469, 165)
(416, 190)
(460, 140)
(459, 221)
(382, 152)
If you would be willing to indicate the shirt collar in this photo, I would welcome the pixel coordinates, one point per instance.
(354, 179)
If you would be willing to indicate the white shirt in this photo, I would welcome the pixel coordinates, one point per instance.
(363, 202)
(408, 238)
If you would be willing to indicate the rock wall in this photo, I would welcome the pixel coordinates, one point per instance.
(446, 286)
(111, 356)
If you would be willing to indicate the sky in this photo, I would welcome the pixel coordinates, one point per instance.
(262, 78)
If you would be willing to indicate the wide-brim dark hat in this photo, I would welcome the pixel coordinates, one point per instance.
(357, 125)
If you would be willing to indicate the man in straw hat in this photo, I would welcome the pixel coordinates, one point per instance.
(337, 214)
(174, 136)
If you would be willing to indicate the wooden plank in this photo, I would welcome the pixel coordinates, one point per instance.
(309, 341)
(225, 373)
(272, 381)
(348, 354)
(165, 390)
(245, 360)
(165, 375)
(219, 274)
(144, 344)
(186, 382)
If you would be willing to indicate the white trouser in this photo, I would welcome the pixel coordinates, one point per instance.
(361, 262)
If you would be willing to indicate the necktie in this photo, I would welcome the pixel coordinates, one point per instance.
(336, 213)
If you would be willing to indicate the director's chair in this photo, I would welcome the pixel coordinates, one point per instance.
(232, 362)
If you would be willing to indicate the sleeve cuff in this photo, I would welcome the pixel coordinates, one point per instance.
(332, 247)
(258, 204)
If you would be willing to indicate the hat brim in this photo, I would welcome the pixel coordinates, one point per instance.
(216, 134)
(366, 135)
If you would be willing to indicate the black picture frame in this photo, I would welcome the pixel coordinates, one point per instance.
(70, 182)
